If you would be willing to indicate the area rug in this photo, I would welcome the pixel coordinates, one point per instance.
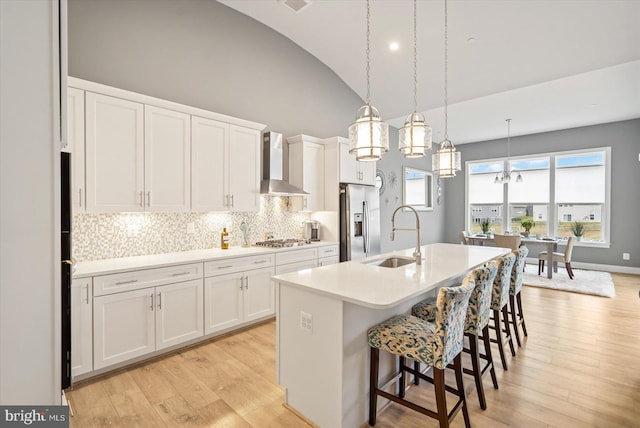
(584, 281)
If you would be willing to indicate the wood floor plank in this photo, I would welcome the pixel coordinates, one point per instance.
(579, 367)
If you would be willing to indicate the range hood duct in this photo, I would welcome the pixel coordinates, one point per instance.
(272, 163)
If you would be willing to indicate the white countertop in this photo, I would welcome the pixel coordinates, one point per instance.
(377, 287)
(108, 266)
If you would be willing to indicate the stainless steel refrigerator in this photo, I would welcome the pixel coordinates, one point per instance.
(359, 221)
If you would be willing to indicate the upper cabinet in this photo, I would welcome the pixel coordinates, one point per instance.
(138, 153)
(75, 132)
(353, 171)
(306, 170)
(114, 154)
(225, 163)
(167, 160)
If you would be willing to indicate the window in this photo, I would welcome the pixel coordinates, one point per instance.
(557, 190)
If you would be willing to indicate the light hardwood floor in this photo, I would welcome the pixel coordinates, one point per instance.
(579, 367)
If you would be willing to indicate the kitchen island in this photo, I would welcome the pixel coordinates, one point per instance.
(323, 315)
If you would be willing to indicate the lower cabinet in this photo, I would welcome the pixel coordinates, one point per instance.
(235, 298)
(134, 323)
(81, 327)
(326, 261)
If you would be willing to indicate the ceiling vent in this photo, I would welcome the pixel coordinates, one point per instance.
(296, 5)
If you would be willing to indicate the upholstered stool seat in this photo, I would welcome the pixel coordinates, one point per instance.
(476, 325)
(436, 344)
(515, 295)
(499, 302)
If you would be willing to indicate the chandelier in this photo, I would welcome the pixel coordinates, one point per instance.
(368, 135)
(446, 161)
(415, 135)
(505, 176)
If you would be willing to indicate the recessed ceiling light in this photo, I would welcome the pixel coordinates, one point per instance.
(471, 40)
(394, 46)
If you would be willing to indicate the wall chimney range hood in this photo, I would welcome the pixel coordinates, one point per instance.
(272, 165)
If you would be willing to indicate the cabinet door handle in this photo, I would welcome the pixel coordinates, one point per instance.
(257, 262)
(181, 273)
(131, 281)
(141, 200)
(159, 300)
(151, 306)
(224, 267)
(241, 282)
(232, 201)
(246, 282)
(80, 197)
(86, 291)
(149, 198)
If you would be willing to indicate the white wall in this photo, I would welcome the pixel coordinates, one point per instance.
(29, 192)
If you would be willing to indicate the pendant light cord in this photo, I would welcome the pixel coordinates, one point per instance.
(415, 58)
(446, 113)
(368, 31)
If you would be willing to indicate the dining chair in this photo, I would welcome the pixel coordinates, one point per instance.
(507, 241)
(558, 257)
(463, 237)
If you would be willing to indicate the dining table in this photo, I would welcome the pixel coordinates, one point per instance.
(550, 243)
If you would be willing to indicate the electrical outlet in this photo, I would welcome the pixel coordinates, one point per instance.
(191, 228)
(626, 256)
(306, 321)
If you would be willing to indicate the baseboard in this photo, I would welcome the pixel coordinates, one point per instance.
(596, 266)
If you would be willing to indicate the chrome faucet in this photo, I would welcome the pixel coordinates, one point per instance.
(417, 254)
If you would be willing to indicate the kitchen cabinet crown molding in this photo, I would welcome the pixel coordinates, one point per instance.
(157, 102)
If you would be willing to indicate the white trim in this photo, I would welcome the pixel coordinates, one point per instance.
(596, 266)
(157, 102)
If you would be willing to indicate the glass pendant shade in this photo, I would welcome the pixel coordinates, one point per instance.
(446, 161)
(415, 136)
(368, 135)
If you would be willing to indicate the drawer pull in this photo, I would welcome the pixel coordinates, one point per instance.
(257, 262)
(131, 281)
(224, 267)
(180, 274)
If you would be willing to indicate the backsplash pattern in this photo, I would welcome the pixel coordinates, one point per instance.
(112, 235)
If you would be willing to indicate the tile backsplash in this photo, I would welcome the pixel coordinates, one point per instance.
(112, 235)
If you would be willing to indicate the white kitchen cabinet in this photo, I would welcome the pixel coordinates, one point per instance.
(134, 323)
(179, 314)
(209, 164)
(295, 260)
(225, 166)
(81, 327)
(244, 168)
(259, 294)
(75, 145)
(353, 171)
(223, 302)
(306, 170)
(123, 326)
(326, 261)
(114, 154)
(167, 160)
(328, 255)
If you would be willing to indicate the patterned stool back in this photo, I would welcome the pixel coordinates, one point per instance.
(518, 270)
(452, 306)
(479, 310)
(502, 282)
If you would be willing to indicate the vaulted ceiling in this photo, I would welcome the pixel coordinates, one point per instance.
(546, 64)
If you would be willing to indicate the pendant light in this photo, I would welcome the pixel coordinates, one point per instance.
(446, 161)
(505, 176)
(415, 135)
(368, 135)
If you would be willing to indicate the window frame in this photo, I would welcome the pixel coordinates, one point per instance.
(552, 203)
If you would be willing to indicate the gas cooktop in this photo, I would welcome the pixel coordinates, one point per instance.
(281, 243)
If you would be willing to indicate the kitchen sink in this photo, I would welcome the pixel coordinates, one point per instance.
(392, 262)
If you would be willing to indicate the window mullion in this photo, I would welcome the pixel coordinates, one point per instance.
(553, 209)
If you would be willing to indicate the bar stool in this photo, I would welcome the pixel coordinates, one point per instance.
(499, 301)
(515, 297)
(476, 326)
(434, 344)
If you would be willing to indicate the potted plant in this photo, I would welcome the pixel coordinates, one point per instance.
(484, 224)
(577, 227)
(527, 223)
